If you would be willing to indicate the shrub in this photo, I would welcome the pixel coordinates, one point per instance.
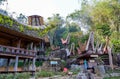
(16, 76)
(6, 76)
(22, 76)
(2, 76)
(111, 78)
(38, 63)
(44, 74)
(9, 76)
(21, 28)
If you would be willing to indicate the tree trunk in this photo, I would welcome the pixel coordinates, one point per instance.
(110, 58)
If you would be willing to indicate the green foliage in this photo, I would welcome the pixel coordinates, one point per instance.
(44, 74)
(54, 28)
(116, 45)
(5, 20)
(22, 76)
(17, 76)
(74, 27)
(45, 31)
(2, 76)
(10, 76)
(29, 28)
(113, 71)
(20, 64)
(63, 62)
(21, 28)
(103, 17)
(104, 30)
(111, 78)
(48, 50)
(84, 38)
(55, 20)
(13, 24)
(38, 63)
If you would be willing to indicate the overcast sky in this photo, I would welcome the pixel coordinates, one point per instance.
(45, 8)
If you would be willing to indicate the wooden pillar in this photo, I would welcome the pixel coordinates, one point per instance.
(19, 43)
(33, 64)
(34, 59)
(28, 64)
(35, 48)
(16, 63)
(8, 64)
(31, 45)
(24, 64)
(43, 45)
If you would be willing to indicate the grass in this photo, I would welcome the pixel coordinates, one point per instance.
(112, 77)
(15, 76)
(113, 71)
(48, 74)
(44, 74)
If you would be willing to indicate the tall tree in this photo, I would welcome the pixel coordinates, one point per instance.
(103, 17)
(82, 16)
(106, 15)
(56, 21)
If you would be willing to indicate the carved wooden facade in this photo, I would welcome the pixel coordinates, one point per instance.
(35, 20)
(16, 46)
(91, 53)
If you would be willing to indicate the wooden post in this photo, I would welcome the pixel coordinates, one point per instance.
(42, 45)
(16, 63)
(33, 64)
(24, 62)
(35, 48)
(19, 43)
(31, 45)
(8, 63)
(34, 59)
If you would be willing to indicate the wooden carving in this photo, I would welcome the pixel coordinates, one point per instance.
(65, 41)
(35, 20)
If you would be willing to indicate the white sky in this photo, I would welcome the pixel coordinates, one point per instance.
(45, 8)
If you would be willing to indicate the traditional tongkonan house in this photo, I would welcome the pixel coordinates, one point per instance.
(19, 45)
(93, 56)
(88, 55)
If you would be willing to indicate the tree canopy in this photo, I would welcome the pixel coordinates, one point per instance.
(102, 17)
